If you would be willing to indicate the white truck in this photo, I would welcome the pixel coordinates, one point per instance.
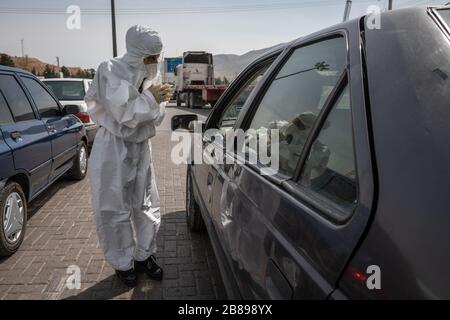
(194, 80)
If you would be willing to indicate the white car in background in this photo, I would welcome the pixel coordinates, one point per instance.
(71, 91)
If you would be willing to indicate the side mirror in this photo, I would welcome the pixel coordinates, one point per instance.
(183, 121)
(72, 109)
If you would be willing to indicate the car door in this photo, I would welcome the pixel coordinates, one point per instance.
(290, 231)
(6, 158)
(27, 136)
(221, 119)
(224, 121)
(62, 128)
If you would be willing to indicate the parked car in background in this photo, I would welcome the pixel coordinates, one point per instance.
(71, 91)
(359, 208)
(40, 140)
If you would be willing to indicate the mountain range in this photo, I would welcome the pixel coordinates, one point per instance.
(229, 65)
(30, 63)
(225, 65)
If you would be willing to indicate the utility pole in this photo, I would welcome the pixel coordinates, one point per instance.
(57, 61)
(390, 5)
(348, 6)
(23, 51)
(113, 23)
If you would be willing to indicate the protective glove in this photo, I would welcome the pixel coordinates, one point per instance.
(161, 93)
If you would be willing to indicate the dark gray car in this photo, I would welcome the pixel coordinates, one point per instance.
(360, 205)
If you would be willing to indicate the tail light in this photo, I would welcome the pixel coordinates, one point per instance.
(83, 116)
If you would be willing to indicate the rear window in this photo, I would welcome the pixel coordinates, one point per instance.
(67, 90)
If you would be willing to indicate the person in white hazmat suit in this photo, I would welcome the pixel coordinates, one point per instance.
(123, 189)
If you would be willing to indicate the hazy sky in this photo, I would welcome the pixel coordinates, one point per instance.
(231, 26)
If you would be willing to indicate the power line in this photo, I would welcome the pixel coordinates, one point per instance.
(184, 10)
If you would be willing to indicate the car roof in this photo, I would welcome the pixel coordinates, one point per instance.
(345, 24)
(65, 79)
(14, 69)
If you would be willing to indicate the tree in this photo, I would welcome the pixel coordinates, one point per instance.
(79, 74)
(65, 72)
(218, 81)
(91, 73)
(6, 60)
(225, 80)
(85, 73)
(49, 72)
(33, 71)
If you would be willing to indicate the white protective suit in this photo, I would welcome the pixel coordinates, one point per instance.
(123, 188)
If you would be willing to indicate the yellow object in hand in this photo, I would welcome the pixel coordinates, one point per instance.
(161, 92)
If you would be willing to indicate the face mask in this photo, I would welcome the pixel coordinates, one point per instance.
(151, 70)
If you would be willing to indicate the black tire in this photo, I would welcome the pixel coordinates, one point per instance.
(9, 245)
(194, 217)
(192, 100)
(188, 100)
(78, 170)
(178, 100)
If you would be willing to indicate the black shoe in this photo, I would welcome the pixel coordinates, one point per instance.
(150, 267)
(129, 277)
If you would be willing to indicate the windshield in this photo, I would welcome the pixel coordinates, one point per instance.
(197, 58)
(67, 90)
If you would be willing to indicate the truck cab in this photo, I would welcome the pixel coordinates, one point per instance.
(194, 82)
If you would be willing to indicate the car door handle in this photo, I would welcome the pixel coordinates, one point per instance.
(209, 180)
(16, 136)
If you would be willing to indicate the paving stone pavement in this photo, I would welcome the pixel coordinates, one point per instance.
(61, 232)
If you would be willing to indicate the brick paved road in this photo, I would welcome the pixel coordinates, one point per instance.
(60, 232)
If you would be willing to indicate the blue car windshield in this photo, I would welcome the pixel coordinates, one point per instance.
(67, 90)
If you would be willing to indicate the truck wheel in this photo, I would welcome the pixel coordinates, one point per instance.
(188, 100)
(191, 100)
(193, 215)
(13, 218)
(79, 168)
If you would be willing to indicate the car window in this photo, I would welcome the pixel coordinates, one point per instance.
(45, 103)
(233, 109)
(296, 96)
(5, 114)
(67, 90)
(445, 14)
(16, 98)
(330, 170)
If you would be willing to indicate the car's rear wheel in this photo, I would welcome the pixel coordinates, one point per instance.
(79, 168)
(193, 215)
(13, 218)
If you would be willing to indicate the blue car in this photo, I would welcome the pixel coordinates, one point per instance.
(39, 142)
